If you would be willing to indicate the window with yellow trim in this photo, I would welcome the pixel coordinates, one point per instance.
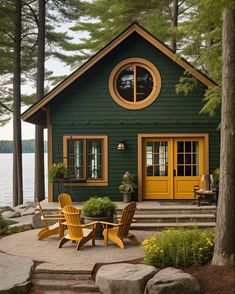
(86, 157)
(134, 83)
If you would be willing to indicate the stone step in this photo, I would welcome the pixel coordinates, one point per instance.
(87, 286)
(175, 210)
(38, 290)
(161, 226)
(61, 276)
(174, 218)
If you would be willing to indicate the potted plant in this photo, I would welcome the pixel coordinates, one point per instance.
(127, 186)
(98, 209)
(58, 172)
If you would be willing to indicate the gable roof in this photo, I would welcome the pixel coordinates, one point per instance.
(36, 113)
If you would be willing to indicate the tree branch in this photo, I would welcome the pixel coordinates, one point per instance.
(7, 108)
(182, 11)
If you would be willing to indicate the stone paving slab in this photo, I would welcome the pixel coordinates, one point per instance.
(15, 273)
(67, 259)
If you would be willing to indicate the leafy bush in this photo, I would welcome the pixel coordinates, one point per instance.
(179, 247)
(99, 207)
(58, 171)
(128, 183)
(3, 225)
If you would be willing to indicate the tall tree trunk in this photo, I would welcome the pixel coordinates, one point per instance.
(17, 145)
(224, 253)
(174, 23)
(39, 192)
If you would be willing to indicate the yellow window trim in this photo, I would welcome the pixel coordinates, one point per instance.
(135, 62)
(89, 182)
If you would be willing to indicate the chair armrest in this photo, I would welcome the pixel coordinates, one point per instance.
(111, 224)
(81, 225)
(52, 218)
(89, 224)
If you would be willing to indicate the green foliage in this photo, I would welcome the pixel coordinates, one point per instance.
(216, 175)
(99, 207)
(128, 183)
(179, 247)
(186, 84)
(58, 171)
(3, 225)
(212, 100)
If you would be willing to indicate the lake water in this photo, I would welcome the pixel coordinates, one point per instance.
(6, 166)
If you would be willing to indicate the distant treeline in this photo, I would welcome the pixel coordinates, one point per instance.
(27, 146)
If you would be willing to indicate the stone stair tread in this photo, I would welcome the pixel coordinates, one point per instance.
(160, 225)
(174, 215)
(64, 284)
(35, 290)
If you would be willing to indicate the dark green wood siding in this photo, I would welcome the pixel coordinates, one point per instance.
(86, 107)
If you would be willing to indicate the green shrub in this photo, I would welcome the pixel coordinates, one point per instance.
(3, 225)
(179, 247)
(98, 207)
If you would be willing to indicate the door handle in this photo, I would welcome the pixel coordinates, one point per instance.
(174, 173)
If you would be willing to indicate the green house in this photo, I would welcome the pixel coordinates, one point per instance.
(120, 112)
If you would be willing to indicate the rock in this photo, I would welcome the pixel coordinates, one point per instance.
(172, 281)
(25, 210)
(5, 208)
(15, 273)
(36, 221)
(124, 278)
(10, 214)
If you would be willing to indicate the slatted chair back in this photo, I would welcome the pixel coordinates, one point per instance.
(72, 220)
(64, 199)
(126, 219)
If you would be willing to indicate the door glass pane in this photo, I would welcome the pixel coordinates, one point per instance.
(149, 147)
(188, 170)
(180, 146)
(156, 147)
(149, 170)
(187, 146)
(94, 159)
(163, 170)
(180, 170)
(149, 158)
(188, 158)
(180, 158)
(156, 171)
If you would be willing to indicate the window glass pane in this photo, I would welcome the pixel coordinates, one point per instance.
(75, 158)
(125, 83)
(149, 147)
(144, 83)
(94, 159)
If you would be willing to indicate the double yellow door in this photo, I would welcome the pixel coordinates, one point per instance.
(171, 167)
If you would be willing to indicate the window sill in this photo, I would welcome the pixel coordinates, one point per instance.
(82, 182)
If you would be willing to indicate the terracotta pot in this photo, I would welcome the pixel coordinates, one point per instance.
(99, 227)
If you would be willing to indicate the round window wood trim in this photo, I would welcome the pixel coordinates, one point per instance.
(137, 62)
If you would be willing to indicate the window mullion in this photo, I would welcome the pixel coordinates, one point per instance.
(134, 83)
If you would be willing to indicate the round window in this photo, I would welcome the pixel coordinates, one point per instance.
(135, 83)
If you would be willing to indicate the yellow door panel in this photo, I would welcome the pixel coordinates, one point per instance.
(188, 166)
(157, 159)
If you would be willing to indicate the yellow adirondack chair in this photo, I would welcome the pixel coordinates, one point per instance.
(64, 199)
(76, 230)
(49, 230)
(120, 231)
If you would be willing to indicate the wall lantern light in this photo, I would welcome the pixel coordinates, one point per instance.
(121, 145)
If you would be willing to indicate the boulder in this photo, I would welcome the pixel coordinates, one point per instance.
(15, 273)
(10, 214)
(36, 221)
(5, 208)
(172, 281)
(124, 278)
